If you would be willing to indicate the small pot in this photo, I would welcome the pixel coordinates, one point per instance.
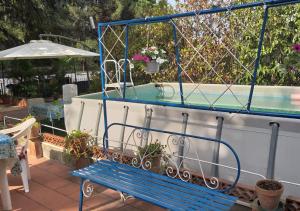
(152, 67)
(155, 163)
(22, 103)
(82, 162)
(269, 193)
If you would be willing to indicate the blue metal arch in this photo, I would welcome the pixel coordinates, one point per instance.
(105, 143)
(168, 18)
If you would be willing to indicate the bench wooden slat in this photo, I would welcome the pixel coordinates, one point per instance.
(151, 186)
(136, 193)
(170, 187)
(180, 183)
(158, 189)
(185, 185)
(156, 197)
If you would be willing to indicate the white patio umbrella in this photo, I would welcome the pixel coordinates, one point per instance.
(42, 49)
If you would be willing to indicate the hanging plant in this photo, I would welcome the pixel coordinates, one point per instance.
(152, 57)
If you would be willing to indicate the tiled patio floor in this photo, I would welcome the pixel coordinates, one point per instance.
(53, 188)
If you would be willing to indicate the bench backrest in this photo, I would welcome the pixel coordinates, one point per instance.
(183, 156)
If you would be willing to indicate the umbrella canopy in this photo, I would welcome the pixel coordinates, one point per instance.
(42, 49)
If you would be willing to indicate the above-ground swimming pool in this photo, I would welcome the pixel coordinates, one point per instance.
(265, 98)
(245, 133)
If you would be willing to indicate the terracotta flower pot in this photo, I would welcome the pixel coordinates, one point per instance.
(22, 103)
(82, 162)
(155, 163)
(269, 193)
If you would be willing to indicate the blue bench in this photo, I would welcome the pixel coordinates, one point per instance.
(161, 190)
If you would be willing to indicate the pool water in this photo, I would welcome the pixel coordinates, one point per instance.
(265, 98)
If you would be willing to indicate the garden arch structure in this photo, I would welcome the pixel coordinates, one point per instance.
(126, 24)
(175, 137)
(138, 134)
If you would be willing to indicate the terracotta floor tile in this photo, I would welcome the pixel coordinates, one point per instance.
(111, 193)
(15, 182)
(46, 164)
(98, 202)
(61, 171)
(48, 179)
(21, 202)
(129, 208)
(34, 161)
(70, 190)
(48, 197)
(68, 207)
(143, 205)
(56, 168)
(39, 175)
(57, 183)
(73, 179)
(52, 188)
(109, 205)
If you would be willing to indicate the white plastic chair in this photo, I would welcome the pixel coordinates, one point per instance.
(112, 77)
(130, 66)
(22, 130)
(114, 80)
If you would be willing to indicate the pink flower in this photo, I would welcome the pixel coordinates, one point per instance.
(296, 48)
(146, 59)
(139, 57)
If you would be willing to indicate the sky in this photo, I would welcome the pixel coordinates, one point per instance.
(171, 2)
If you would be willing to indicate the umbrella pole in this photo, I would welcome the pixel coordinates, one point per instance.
(3, 79)
(75, 72)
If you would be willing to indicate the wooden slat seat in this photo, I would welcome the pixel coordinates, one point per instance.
(166, 192)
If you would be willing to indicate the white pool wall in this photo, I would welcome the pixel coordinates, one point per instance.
(249, 135)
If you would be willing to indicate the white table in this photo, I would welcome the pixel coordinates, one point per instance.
(48, 110)
(5, 194)
(8, 157)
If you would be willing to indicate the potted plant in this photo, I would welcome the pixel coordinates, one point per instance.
(152, 153)
(77, 146)
(269, 193)
(152, 57)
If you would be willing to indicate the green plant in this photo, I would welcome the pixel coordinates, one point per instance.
(151, 53)
(152, 150)
(77, 144)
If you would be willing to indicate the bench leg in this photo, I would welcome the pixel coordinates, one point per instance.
(80, 196)
(125, 196)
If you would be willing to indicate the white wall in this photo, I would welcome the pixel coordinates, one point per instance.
(248, 135)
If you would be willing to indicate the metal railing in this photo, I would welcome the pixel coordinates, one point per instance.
(43, 125)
